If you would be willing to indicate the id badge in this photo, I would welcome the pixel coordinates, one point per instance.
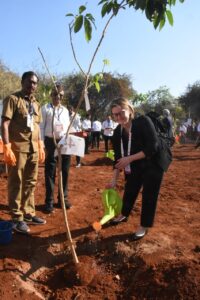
(30, 122)
(58, 127)
(127, 169)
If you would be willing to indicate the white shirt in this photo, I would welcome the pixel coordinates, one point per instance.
(60, 124)
(76, 124)
(96, 126)
(198, 127)
(108, 126)
(183, 128)
(86, 124)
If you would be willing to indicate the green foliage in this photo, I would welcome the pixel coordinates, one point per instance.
(9, 81)
(88, 29)
(96, 81)
(106, 62)
(190, 100)
(156, 11)
(102, 90)
(169, 17)
(156, 100)
(139, 99)
(78, 23)
(79, 20)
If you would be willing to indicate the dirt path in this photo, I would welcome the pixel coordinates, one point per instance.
(163, 265)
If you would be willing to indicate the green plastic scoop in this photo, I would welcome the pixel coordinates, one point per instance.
(110, 154)
(112, 203)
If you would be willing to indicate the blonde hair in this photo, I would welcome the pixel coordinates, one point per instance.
(124, 103)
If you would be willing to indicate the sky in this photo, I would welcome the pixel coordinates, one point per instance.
(152, 58)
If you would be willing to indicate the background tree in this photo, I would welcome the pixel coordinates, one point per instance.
(157, 100)
(111, 86)
(9, 81)
(190, 101)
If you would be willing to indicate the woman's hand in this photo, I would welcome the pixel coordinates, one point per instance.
(123, 162)
(113, 183)
(110, 185)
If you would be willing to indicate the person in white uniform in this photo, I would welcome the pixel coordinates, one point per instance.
(76, 126)
(96, 133)
(60, 126)
(108, 127)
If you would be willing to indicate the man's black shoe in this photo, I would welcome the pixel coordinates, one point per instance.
(68, 205)
(34, 220)
(48, 209)
(21, 226)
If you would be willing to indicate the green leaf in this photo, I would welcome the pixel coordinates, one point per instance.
(97, 85)
(78, 23)
(81, 9)
(115, 8)
(170, 17)
(69, 15)
(162, 23)
(102, 1)
(104, 10)
(100, 76)
(91, 18)
(140, 4)
(106, 62)
(88, 29)
(156, 21)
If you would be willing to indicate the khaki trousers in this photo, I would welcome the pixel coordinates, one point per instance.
(22, 179)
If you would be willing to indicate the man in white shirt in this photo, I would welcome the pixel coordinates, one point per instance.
(86, 126)
(76, 126)
(108, 127)
(60, 124)
(96, 132)
(182, 133)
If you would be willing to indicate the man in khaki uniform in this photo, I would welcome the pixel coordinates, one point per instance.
(23, 148)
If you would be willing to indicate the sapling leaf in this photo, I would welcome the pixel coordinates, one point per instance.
(78, 23)
(81, 9)
(170, 17)
(88, 29)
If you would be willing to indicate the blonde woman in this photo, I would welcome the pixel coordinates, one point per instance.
(137, 152)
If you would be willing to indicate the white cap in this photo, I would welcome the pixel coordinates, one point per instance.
(166, 112)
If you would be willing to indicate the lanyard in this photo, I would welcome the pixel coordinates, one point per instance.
(29, 106)
(57, 114)
(129, 143)
(127, 169)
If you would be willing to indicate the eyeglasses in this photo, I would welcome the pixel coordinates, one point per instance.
(119, 114)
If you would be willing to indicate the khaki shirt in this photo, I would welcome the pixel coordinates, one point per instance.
(20, 135)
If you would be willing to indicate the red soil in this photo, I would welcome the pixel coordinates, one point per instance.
(165, 264)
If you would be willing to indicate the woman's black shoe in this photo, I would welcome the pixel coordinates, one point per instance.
(118, 220)
(139, 235)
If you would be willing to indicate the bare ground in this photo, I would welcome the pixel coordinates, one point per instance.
(165, 264)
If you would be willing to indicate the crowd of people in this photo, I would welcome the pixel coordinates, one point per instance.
(189, 131)
(31, 133)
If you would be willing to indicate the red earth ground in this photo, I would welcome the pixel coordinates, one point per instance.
(165, 264)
